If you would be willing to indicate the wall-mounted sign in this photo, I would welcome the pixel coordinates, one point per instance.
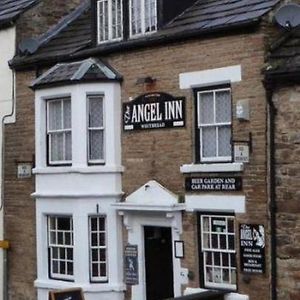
(213, 184)
(241, 152)
(24, 170)
(252, 248)
(131, 265)
(154, 111)
(179, 249)
(67, 294)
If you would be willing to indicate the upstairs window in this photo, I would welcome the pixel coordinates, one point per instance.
(59, 132)
(60, 245)
(95, 129)
(214, 125)
(143, 16)
(109, 13)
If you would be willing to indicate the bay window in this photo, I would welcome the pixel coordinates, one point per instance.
(109, 15)
(143, 16)
(59, 131)
(60, 245)
(218, 251)
(214, 125)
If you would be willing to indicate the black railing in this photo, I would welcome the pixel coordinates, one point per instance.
(207, 295)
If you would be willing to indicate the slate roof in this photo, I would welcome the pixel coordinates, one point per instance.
(284, 57)
(87, 70)
(204, 16)
(10, 10)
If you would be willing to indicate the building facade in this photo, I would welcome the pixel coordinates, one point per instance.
(151, 150)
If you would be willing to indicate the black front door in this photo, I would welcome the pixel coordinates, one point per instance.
(158, 263)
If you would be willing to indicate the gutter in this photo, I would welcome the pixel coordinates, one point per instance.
(272, 204)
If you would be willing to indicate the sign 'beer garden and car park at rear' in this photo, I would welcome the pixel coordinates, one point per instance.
(154, 111)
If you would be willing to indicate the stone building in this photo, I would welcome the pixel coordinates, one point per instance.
(282, 82)
(183, 166)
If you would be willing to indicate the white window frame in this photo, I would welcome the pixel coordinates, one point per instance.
(98, 248)
(142, 17)
(51, 132)
(215, 124)
(55, 246)
(111, 28)
(90, 129)
(205, 249)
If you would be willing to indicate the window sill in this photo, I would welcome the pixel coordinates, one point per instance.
(80, 170)
(214, 167)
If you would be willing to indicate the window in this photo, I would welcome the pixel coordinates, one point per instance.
(98, 249)
(218, 251)
(59, 131)
(214, 125)
(95, 129)
(143, 16)
(109, 20)
(60, 244)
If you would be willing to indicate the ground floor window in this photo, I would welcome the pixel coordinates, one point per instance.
(218, 255)
(60, 247)
(98, 249)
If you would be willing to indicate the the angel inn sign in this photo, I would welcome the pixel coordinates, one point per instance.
(154, 111)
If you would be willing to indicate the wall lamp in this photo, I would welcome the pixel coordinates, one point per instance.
(145, 80)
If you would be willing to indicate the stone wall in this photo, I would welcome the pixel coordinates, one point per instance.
(287, 143)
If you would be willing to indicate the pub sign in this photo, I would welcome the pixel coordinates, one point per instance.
(154, 111)
(252, 248)
(215, 184)
(131, 264)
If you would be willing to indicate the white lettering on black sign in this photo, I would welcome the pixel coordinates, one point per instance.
(154, 111)
(213, 184)
(252, 248)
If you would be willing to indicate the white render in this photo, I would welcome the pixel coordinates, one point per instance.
(81, 190)
(216, 203)
(209, 77)
(205, 168)
(7, 50)
(152, 205)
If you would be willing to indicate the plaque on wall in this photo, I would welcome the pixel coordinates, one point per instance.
(154, 111)
(215, 184)
(252, 248)
(131, 265)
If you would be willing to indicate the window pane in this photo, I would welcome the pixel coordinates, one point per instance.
(68, 146)
(96, 144)
(96, 111)
(55, 118)
(224, 134)
(223, 106)
(206, 108)
(67, 114)
(136, 24)
(150, 15)
(209, 142)
(57, 144)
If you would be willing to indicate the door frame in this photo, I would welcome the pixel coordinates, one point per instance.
(135, 223)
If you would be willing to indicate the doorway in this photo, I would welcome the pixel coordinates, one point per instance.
(158, 262)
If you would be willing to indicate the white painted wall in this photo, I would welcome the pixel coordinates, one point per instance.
(7, 51)
(79, 189)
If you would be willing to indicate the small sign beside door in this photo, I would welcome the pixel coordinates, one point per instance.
(131, 264)
(252, 248)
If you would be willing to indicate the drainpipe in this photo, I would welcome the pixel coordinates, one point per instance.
(272, 203)
(11, 114)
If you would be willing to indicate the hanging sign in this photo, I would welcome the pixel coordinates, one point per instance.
(252, 248)
(154, 111)
(131, 265)
(215, 184)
